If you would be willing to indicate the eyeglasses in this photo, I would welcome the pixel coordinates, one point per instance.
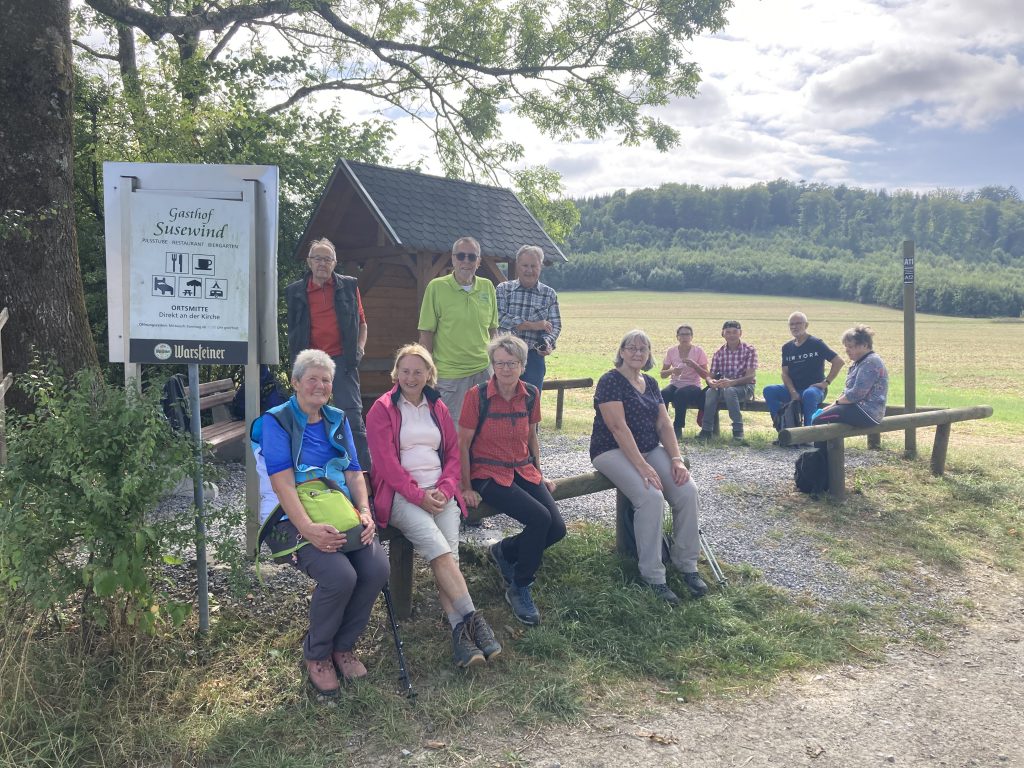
(507, 364)
(637, 350)
(462, 256)
(321, 259)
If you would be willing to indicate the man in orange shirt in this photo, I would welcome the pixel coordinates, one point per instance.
(325, 312)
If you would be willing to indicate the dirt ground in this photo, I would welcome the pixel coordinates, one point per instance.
(961, 706)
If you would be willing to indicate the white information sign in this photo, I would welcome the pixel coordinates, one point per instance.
(189, 280)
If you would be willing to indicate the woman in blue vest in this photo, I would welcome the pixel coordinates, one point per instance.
(306, 439)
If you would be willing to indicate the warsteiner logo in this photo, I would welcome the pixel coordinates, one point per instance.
(199, 352)
(162, 351)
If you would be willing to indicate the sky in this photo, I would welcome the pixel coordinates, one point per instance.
(894, 94)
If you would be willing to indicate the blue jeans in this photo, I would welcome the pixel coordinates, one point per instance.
(535, 369)
(776, 396)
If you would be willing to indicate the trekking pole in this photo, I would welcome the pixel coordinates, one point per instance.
(403, 671)
(709, 555)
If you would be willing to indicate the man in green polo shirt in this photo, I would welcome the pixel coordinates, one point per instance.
(458, 317)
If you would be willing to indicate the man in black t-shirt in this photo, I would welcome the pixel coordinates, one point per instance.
(803, 370)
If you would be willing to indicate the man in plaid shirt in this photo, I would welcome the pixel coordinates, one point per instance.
(529, 309)
(733, 369)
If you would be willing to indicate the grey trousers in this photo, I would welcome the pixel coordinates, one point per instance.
(453, 391)
(347, 586)
(649, 506)
(348, 399)
(733, 397)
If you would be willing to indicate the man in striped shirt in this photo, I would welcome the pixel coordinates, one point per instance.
(529, 309)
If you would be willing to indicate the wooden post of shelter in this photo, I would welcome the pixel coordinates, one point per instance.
(909, 344)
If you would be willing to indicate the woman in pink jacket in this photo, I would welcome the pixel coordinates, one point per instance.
(415, 476)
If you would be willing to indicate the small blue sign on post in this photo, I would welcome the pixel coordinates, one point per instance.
(908, 270)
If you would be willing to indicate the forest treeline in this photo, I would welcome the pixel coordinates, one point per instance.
(808, 240)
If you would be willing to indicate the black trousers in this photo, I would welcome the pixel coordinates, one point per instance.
(530, 504)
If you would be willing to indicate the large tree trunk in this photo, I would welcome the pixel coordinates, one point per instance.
(40, 277)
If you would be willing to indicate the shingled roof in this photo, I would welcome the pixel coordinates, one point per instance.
(424, 212)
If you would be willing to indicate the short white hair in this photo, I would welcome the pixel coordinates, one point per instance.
(311, 358)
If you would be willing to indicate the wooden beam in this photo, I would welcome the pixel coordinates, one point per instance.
(4, 386)
(567, 383)
(492, 267)
(889, 424)
(4, 315)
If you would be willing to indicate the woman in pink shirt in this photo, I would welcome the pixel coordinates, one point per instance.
(687, 365)
(415, 477)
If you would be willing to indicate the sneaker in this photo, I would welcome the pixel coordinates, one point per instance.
(483, 635)
(322, 676)
(348, 665)
(522, 605)
(703, 436)
(464, 649)
(695, 584)
(663, 592)
(505, 568)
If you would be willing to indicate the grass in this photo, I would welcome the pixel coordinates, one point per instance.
(237, 697)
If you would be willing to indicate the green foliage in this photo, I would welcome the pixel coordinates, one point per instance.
(806, 240)
(84, 470)
(540, 190)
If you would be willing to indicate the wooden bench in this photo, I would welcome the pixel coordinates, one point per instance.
(834, 436)
(400, 550)
(214, 396)
(560, 385)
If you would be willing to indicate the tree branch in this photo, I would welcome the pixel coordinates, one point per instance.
(94, 52)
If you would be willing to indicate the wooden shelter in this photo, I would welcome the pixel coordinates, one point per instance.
(394, 230)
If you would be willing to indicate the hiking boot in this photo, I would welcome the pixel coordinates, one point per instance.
(704, 436)
(738, 440)
(322, 676)
(522, 605)
(348, 665)
(505, 568)
(464, 649)
(695, 584)
(483, 635)
(663, 592)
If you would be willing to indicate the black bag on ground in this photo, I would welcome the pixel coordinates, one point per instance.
(790, 415)
(811, 474)
(175, 404)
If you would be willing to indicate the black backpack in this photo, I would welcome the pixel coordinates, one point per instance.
(174, 401)
(790, 415)
(271, 394)
(811, 474)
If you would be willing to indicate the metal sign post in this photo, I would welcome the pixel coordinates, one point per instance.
(202, 577)
(909, 345)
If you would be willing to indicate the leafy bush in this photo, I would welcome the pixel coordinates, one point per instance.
(84, 470)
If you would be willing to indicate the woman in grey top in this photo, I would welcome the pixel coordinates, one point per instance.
(862, 403)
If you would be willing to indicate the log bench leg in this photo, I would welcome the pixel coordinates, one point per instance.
(559, 405)
(939, 449)
(875, 441)
(400, 555)
(837, 469)
(623, 524)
